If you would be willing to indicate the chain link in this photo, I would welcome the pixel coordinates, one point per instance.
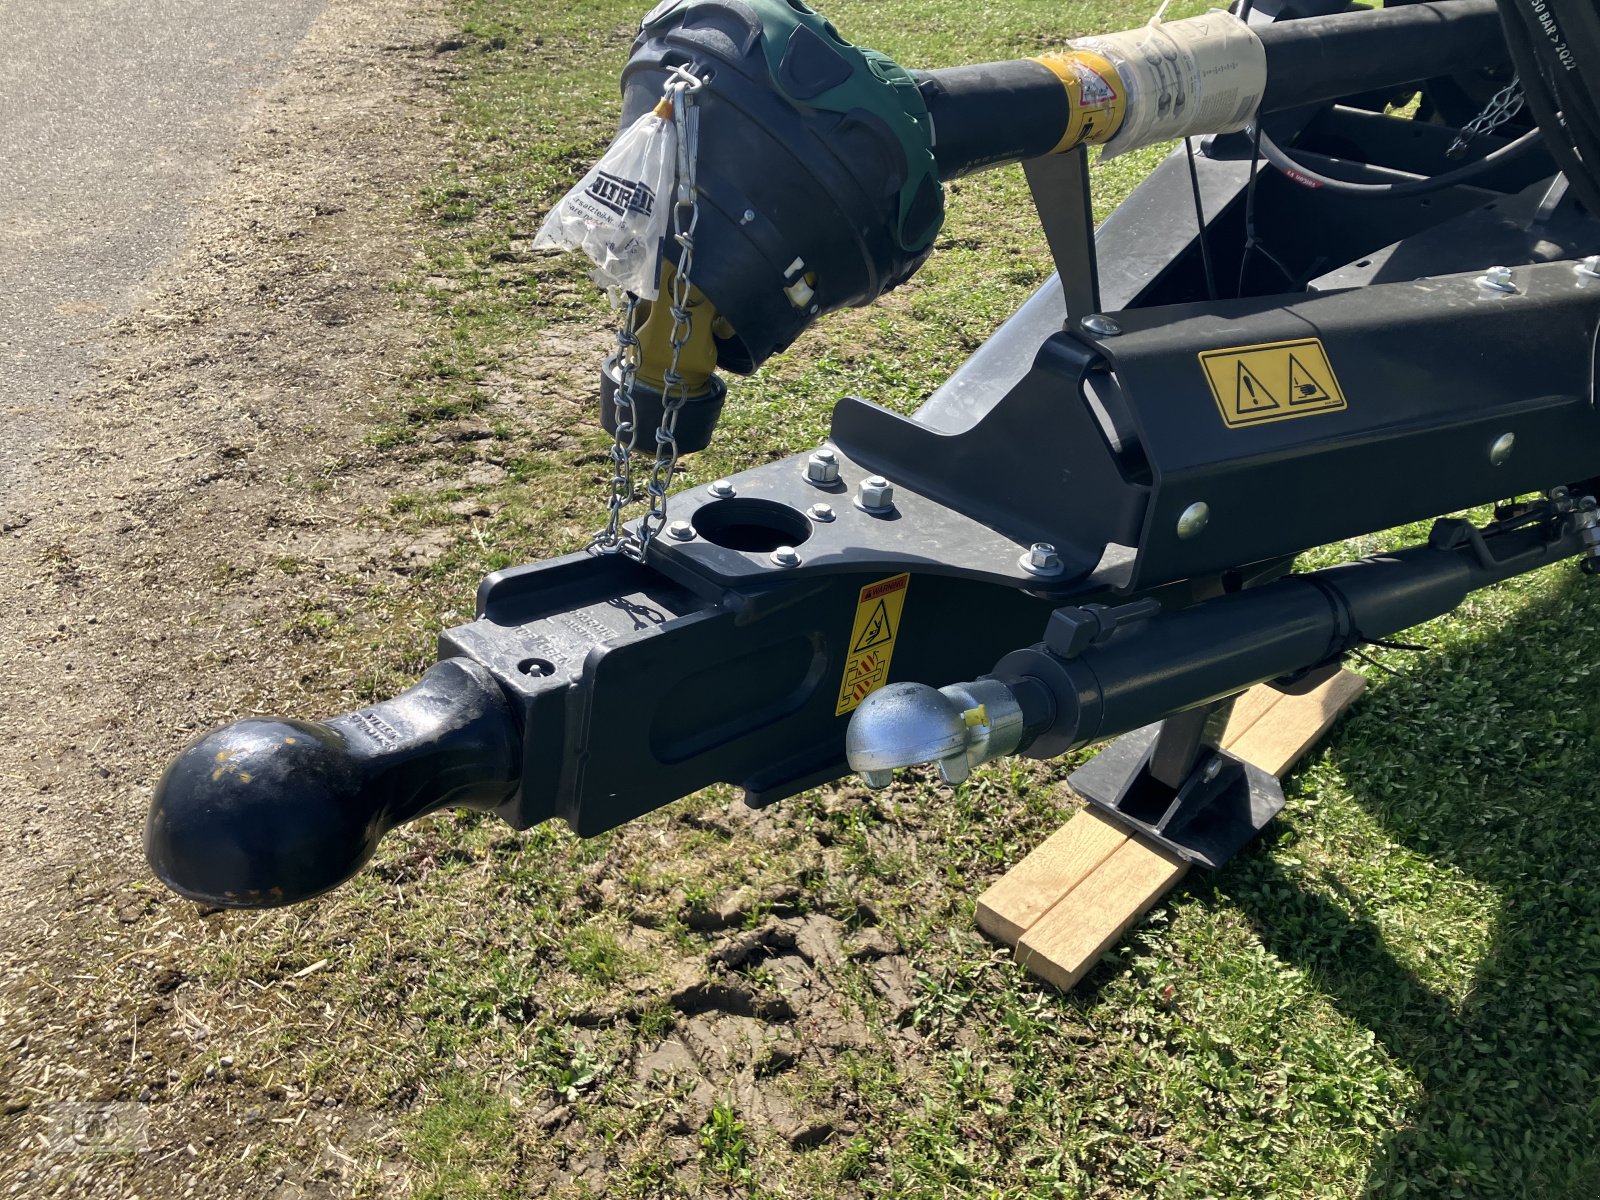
(609, 540)
(1502, 106)
(680, 88)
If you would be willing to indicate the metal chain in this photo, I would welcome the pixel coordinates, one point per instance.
(609, 540)
(1502, 106)
(680, 88)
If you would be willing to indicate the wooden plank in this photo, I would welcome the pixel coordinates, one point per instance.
(1295, 724)
(1069, 900)
(1064, 945)
(1248, 710)
(1026, 892)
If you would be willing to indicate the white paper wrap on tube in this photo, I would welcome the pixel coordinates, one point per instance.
(617, 214)
(1203, 74)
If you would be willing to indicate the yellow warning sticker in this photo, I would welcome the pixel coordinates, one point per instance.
(1096, 96)
(866, 669)
(1272, 382)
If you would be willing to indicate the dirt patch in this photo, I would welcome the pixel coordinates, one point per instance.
(205, 493)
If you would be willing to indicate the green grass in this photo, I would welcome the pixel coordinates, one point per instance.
(1395, 992)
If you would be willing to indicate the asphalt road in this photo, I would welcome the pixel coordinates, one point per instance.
(116, 117)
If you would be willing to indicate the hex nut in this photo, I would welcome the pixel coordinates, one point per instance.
(1041, 559)
(681, 530)
(822, 468)
(722, 489)
(822, 513)
(786, 556)
(875, 494)
(1498, 279)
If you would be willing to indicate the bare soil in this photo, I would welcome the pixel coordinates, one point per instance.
(216, 500)
(216, 475)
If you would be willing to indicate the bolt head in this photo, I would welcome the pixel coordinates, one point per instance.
(1193, 520)
(722, 489)
(1041, 559)
(822, 468)
(1498, 279)
(875, 494)
(1500, 452)
(821, 512)
(1101, 324)
(749, 215)
(681, 530)
(1213, 768)
(786, 556)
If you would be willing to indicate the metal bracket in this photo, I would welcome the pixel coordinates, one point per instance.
(1060, 187)
(1216, 811)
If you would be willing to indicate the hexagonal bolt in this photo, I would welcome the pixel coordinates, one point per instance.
(722, 489)
(1500, 452)
(876, 494)
(822, 468)
(1498, 279)
(1041, 559)
(786, 556)
(1193, 520)
(822, 513)
(681, 530)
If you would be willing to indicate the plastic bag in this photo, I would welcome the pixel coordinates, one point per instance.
(617, 214)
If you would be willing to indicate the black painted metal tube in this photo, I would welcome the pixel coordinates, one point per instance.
(995, 113)
(1153, 669)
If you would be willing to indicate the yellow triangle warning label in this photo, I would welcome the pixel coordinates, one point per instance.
(1303, 385)
(872, 633)
(1275, 381)
(880, 629)
(1250, 395)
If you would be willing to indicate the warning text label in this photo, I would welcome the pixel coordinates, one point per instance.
(866, 667)
(1272, 382)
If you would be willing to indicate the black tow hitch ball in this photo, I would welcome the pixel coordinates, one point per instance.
(271, 811)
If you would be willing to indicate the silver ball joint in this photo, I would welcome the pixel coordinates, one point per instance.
(955, 727)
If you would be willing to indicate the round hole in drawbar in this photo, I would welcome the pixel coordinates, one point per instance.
(750, 525)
